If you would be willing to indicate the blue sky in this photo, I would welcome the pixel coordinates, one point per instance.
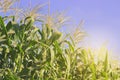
(101, 19)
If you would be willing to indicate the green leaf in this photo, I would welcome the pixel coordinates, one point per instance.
(1, 22)
(9, 26)
(106, 63)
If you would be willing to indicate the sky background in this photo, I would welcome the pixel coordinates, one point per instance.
(101, 19)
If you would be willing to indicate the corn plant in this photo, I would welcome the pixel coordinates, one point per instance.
(27, 52)
(42, 52)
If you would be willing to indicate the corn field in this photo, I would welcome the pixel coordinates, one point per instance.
(42, 52)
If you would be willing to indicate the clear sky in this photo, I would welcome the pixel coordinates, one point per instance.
(101, 19)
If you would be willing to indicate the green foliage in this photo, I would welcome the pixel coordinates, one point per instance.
(30, 53)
